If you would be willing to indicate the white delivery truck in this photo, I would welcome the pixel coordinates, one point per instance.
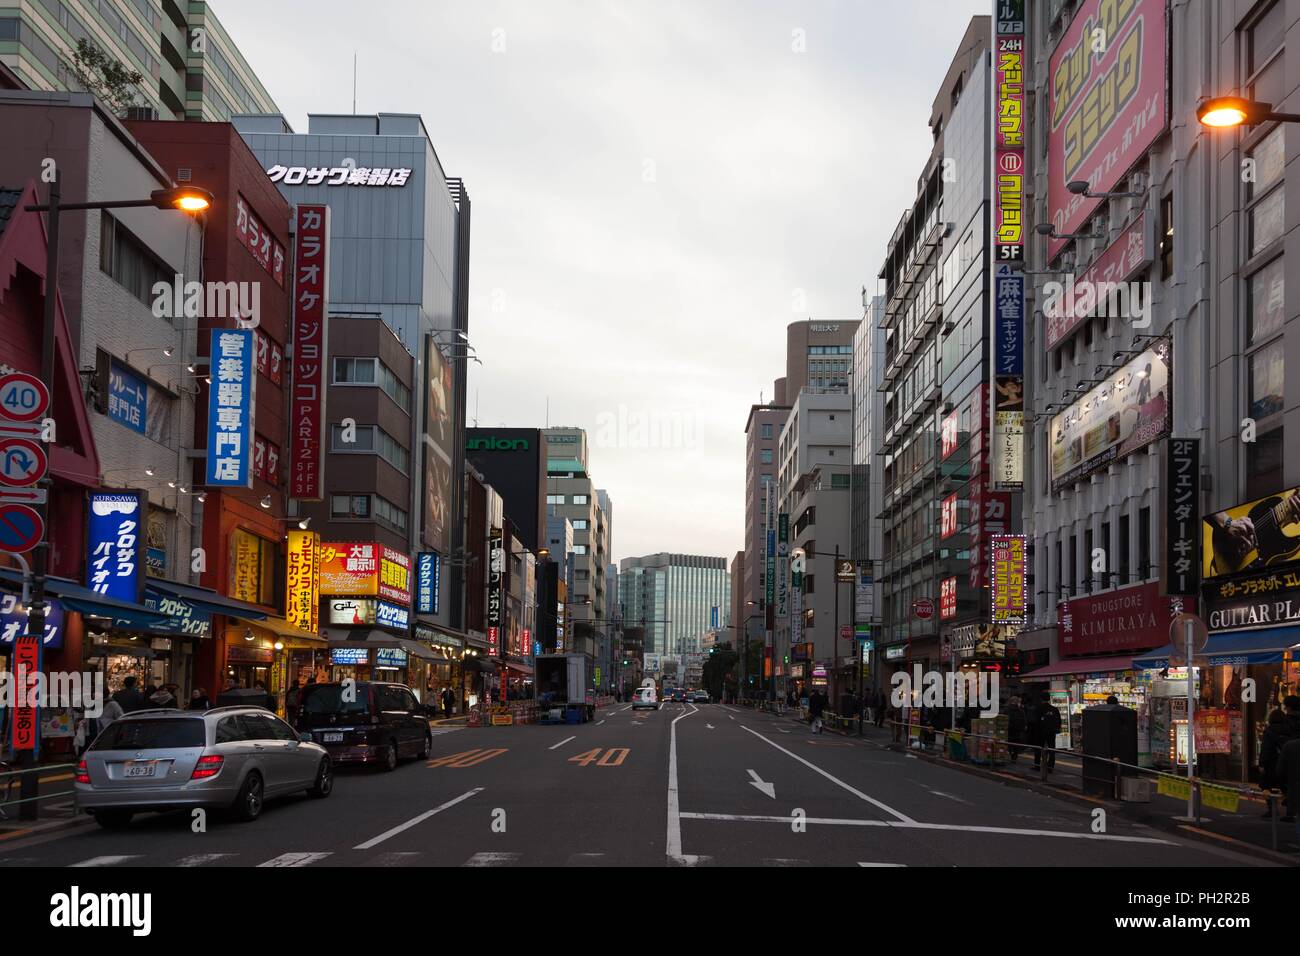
(563, 688)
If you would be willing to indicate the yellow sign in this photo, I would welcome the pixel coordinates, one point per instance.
(302, 581)
(245, 566)
(502, 720)
(1220, 798)
(1175, 787)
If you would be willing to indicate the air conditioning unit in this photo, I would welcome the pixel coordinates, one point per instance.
(184, 174)
(141, 113)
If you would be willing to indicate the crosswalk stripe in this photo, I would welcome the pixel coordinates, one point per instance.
(202, 859)
(439, 731)
(491, 859)
(294, 859)
(860, 863)
(107, 860)
(396, 858)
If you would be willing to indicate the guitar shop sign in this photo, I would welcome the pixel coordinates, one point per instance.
(1252, 537)
(1130, 619)
(1270, 599)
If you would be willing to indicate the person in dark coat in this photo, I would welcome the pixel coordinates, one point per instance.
(1015, 728)
(1034, 730)
(1270, 749)
(199, 700)
(1287, 770)
(448, 698)
(129, 698)
(1050, 725)
(816, 707)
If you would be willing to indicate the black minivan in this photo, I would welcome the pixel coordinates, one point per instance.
(377, 724)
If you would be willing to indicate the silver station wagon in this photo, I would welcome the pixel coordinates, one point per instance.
(232, 758)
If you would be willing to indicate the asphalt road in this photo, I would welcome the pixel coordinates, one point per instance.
(685, 785)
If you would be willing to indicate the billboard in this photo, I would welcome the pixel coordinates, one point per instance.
(1127, 411)
(1106, 103)
(1182, 517)
(495, 589)
(1007, 576)
(230, 408)
(439, 438)
(1128, 619)
(427, 573)
(310, 353)
(302, 581)
(349, 568)
(1080, 295)
(1253, 537)
(394, 575)
(115, 544)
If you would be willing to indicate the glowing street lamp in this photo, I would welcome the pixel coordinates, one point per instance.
(1225, 112)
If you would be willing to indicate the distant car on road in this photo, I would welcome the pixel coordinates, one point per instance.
(700, 697)
(679, 695)
(223, 758)
(645, 697)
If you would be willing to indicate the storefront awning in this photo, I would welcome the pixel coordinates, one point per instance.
(522, 669)
(209, 600)
(279, 626)
(1264, 646)
(1081, 665)
(79, 598)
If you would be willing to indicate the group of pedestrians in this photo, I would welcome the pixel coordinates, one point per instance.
(1279, 759)
(1036, 726)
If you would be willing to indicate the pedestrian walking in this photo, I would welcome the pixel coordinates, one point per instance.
(1277, 735)
(1050, 721)
(129, 698)
(1287, 770)
(816, 707)
(199, 700)
(1015, 728)
(448, 698)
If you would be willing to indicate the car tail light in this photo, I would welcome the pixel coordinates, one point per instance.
(83, 775)
(208, 766)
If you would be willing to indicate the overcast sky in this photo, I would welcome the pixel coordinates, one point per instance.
(658, 189)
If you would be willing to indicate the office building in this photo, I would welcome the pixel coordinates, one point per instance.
(675, 597)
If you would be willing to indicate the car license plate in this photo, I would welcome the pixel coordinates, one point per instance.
(141, 769)
(333, 738)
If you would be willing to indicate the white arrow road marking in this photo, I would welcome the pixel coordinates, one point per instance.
(562, 743)
(940, 793)
(710, 726)
(860, 863)
(733, 718)
(599, 722)
(402, 827)
(764, 787)
(106, 860)
(812, 766)
(294, 859)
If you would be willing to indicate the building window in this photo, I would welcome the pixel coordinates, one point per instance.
(839, 481)
(1166, 237)
(581, 500)
(371, 439)
(371, 371)
(388, 513)
(1144, 544)
(579, 549)
(349, 506)
(579, 524)
(128, 261)
(1264, 464)
(1265, 301)
(1264, 39)
(1264, 379)
(765, 456)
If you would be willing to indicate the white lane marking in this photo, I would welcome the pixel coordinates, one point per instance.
(562, 743)
(761, 818)
(599, 722)
(940, 793)
(439, 731)
(294, 859)
(860, 863)
(783, 861)
(628, 707)
(491, 859)
(783, 730)
(1015, 831)
(732, 717)
(674, 845)
(831, 777)
(107, 860)
(396, 858)
(202, 859)
(709, 726)
(402, 827)
(762, 786)
(913, 825)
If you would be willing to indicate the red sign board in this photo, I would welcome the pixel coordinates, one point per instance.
(310, 338)
(923, 609)
(947, 598)
(948, 439)
(255, 237)
(27, 665)
(1106, 103)
(948, 517)
(1123, 257)
(23, 397)
(1130, 619)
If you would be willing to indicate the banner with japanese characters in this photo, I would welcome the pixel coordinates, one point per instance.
(254, 236)
(1183, 517)
(302, 581)
(349, 568)
(231, 398)
(115, 544)
(1008, 578)
(310, 353)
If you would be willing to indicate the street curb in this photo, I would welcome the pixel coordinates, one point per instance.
(41, 829)
(1155, 822)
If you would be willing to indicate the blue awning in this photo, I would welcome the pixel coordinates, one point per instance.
(1263, 646)
(209, 600)
(78, 597)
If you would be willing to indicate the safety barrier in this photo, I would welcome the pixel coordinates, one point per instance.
(11, 783)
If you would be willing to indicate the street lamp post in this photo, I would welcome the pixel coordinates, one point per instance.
(185, 199)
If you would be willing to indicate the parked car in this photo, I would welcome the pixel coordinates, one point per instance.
(700, 697)
(378, 723)
(223, 758)
(645, 697)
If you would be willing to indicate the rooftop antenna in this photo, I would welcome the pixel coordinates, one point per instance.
(354, 82)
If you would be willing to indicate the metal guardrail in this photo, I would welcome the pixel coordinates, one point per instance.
(11, 780)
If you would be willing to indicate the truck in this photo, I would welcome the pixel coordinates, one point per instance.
(563, 687)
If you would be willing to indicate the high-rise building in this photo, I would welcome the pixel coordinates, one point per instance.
(190, 66)
(399, 254)
(934, 444)
(571, 492)
(818, 354)
(677, 598)
(867, 494)
(513, 462)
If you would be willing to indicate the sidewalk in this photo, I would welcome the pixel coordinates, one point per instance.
(1246, 830)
